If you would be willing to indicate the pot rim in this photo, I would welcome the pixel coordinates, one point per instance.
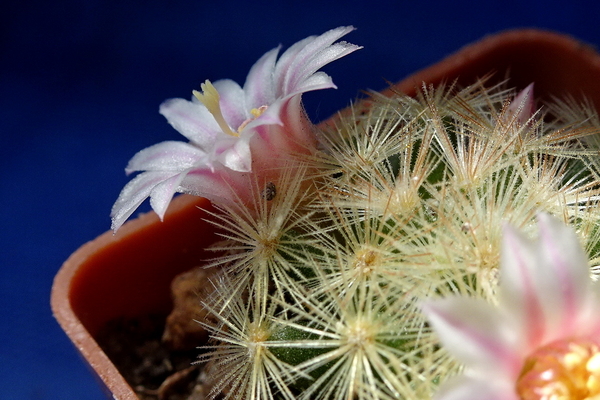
(63, 293)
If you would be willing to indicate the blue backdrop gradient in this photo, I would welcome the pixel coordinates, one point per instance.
(81, 82)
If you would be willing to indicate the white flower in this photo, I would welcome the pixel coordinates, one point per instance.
(234, 130)
(542, 341)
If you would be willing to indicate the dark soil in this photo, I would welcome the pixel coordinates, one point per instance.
(153, 370)
(156, 353)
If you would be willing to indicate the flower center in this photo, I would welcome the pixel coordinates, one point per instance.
(562, 370)
(256, 112)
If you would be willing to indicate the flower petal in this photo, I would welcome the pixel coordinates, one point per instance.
(259, 87)
(476, 333)
(465, 388)
(563, 275)
(192, 120)
(300, 62)
(286, 60)
(518, 290)
(134, 193)
(590, 315)
(162, 194)
(291, 134)
(167, 156)
(235, 153)
(317, 81)
(221, 185)
(232, 102)
(297, 82)
(522, 106)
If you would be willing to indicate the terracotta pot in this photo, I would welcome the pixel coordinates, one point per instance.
(129, 274)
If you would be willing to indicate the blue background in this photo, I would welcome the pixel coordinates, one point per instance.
(80, 86)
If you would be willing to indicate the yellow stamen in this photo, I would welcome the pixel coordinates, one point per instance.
(256, 112)
(210, 98)
(563, 370)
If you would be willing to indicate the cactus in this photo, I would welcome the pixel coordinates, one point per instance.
(334, 237)
(403, 200)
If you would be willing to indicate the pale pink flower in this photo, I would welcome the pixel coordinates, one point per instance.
(522, 108)
(542, 340)
(234, 131)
